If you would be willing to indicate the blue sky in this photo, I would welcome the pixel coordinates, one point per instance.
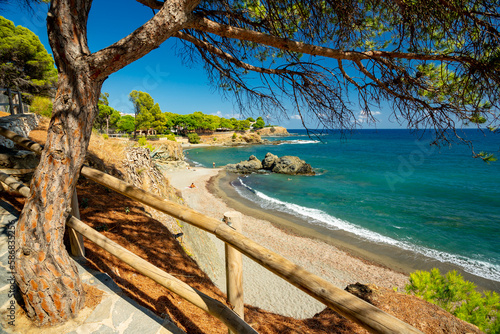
(176, 87)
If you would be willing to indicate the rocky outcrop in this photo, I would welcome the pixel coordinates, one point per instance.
(168, 151)
(269, 161)
(141, 171)
(273, 131)
(233, 138)
(290, 165)
(293, 166)
(169, 156)
(249, 166)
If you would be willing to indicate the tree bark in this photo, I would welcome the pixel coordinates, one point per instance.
(48, 279)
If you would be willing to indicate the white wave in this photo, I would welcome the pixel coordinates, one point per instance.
(299, 141)
(315, 216)
(195, 163)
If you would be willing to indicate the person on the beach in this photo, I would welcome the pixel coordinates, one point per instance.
(192, 185)
(213, 164)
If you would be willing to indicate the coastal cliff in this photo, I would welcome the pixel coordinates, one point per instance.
(274, 131)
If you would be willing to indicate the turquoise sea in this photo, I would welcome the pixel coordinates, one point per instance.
(389, 187)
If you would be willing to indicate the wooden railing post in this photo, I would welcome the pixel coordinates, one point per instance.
(234, 267)
(75, 238)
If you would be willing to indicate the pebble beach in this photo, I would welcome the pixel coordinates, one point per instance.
(261, 287)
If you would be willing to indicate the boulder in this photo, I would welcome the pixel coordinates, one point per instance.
(249, 166)
(292, 165)
(269, 161)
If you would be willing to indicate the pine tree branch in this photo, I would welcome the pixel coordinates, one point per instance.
(203, 24)
(224, 55)
(172, 17)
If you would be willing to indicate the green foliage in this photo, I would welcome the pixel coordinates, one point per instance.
(126, 123)
(142, 141)
(459, 297)
(25, 65)
(105, 136)
(234, 136)
(259, 123)
(250, 119)
(42, 106)
(143, 103)
(103, 99)
(171, 137)
(193, 138)
(487, 157)
(107, 116)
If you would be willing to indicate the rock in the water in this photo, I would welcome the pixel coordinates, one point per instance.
(249, 166)
(292, 165)
(285, 165)
(269, 161)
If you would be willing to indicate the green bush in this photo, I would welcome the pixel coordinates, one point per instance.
(234, 135)
(41, 106)
(171, 137)
(142, 141)
(459, 297)
(193, 138)
(105, 136)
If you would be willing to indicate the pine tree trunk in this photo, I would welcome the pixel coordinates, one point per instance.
(48, 280)
(47, 277)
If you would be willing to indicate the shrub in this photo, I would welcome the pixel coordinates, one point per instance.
(142, 141)
(41, 106)
(234, 135)
(459, 297)
(194, 138)
(105, 136)
(171, 137)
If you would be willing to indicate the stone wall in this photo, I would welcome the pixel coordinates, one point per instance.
(21, 124)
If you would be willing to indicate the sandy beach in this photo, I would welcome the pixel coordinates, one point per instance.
(261, 287)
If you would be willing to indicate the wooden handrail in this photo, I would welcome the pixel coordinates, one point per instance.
(192, 295)
(348, 305)
(21, 141)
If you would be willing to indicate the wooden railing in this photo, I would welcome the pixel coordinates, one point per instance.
(11, 104)
(348, 305)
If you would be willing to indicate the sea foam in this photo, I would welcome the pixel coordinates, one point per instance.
(321, 218)
(299, 141)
